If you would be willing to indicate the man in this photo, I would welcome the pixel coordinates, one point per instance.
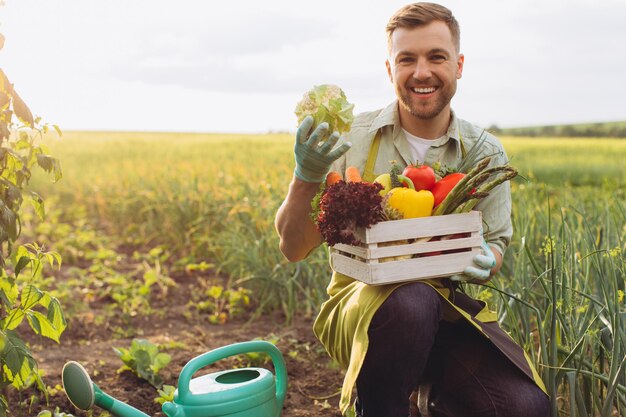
(420, 336)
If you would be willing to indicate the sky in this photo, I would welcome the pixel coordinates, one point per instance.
(241, 66)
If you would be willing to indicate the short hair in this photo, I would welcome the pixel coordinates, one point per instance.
(420, 14)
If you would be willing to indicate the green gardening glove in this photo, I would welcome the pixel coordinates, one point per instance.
(314, 151)
(481, 270)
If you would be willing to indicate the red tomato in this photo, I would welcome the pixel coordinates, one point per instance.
(423, 176)
(442, 187)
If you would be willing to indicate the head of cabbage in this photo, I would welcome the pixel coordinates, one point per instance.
(326, 103)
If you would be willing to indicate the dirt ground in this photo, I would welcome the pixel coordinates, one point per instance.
(313, 380)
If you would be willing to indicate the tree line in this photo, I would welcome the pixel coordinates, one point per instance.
(607, 129)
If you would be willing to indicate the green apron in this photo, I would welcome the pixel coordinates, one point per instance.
(343, 320)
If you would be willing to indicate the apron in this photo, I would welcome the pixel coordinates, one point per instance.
(343, 320)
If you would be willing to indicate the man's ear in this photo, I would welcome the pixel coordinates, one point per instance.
(388, 65)
(459, 70)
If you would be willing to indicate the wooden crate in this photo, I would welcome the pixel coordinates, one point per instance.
(456, 241)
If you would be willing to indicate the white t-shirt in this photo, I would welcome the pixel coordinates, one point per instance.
(420, 146)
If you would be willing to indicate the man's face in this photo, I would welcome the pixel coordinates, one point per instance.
(423, 66)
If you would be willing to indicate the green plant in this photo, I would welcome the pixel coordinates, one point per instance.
(223, 303)
(24, 302)
(565, 303)
(165, 394)
(20, 298)
(56, 413)
(144, 359)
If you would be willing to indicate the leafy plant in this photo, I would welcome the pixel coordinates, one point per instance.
(223, 303)
(165, 394)
(144, 360)
(56, 413)
(20, 154)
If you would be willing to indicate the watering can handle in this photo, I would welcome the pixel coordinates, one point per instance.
(223, 352)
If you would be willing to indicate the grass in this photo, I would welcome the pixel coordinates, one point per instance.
(569, 162)
(212, 198)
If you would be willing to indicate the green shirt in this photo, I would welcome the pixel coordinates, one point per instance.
(461, 135)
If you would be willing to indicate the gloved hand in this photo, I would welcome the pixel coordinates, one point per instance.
(314, 153)
(481, 270)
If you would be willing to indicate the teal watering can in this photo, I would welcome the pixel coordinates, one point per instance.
(244, 392)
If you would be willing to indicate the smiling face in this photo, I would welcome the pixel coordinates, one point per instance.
(424, 65)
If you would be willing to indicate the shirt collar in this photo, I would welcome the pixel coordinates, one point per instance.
(453, 129)
(389, 116)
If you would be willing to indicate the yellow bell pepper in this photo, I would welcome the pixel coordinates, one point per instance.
(411, 203)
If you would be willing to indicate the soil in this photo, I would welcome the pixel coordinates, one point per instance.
(314, 381)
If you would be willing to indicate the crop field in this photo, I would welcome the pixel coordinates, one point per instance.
(169, 238)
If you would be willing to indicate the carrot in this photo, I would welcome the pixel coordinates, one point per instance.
(332, 177)
(353, 174)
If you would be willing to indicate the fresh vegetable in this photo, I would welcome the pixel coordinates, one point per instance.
(411, 203)
(333, 177)
(442, 187)
(386, 181)
(353, 174)
(326, 103)
(473, 186)
(341, 206)
(423, 176)
(346, 206)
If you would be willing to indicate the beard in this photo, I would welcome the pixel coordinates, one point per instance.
(426, 110)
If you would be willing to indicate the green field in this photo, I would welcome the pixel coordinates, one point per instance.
(194, 201)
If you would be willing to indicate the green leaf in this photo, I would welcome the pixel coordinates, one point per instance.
(53, 257)
(56, 316)
(123, 353)
(9, 222)
(166, 393)
(21, 264)
(46, 162)
(50, 164)
(58, 130)
(3, 342)
(38, 204)
(19, 365)
(42, 326)
(8, 292)
(13, 319)
(161, 360)
(30, 297)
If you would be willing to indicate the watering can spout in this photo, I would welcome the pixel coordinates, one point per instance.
(116, 407)
(172, 410)
(84, 394)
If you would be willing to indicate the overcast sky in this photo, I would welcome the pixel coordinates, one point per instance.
(241, 66)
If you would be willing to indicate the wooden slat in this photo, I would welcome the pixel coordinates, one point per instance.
(410, 248)
(424, 247)
(350, 267)
(422, 268)
(404, 270)
(421, 227)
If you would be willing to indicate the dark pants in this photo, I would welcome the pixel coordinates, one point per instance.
(410, 345)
